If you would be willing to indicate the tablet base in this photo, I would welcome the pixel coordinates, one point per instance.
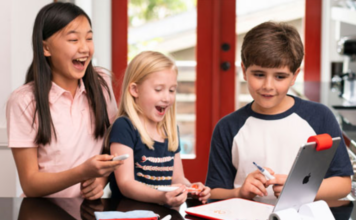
(318, 210)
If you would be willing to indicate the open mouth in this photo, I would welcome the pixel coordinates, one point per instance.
(80, 61)
(161, 109)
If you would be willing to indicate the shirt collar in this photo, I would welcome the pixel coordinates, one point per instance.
(56, 91)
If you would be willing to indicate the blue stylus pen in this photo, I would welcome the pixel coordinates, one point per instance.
(264, 172)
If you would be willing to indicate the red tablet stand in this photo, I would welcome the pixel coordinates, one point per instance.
(323, 141)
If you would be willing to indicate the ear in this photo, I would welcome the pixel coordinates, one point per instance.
(46, 51)
(133, 90)
(295, 76)
(243, 70)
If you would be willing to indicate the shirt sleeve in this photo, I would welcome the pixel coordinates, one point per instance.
(20, 109)
(123, 132)
(221, 172)
(110, 100)
(340, 165)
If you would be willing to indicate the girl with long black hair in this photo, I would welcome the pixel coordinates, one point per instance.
(56, 121)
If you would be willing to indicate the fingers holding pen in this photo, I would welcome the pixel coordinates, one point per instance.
(100, 166)
(278, 183)
(253, 185)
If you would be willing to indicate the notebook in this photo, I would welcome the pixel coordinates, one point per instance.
(301, 187)
(232, 209)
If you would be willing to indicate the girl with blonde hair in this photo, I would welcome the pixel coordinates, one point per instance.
(146, 129)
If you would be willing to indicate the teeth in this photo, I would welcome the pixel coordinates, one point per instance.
(81, 59)
(161, 109)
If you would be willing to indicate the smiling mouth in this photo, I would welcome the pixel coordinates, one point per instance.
(160, 109)
(267, 95)
(80, 61)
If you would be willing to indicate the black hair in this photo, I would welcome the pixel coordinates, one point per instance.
(50, 19)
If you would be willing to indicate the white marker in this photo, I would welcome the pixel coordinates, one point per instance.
(167, 188)
(264, 172)
(121, 157)
(167, 217)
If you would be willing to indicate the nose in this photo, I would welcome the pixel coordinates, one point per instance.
(268, 83)
(83, 47)
(166, 96)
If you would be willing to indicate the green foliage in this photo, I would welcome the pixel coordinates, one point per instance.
(141, 11)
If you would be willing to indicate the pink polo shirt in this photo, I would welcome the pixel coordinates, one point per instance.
(74, 128)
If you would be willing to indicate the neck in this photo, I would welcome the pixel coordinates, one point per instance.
(152, 129)
(70, 86)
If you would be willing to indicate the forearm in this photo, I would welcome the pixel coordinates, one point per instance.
(103, 181)
(40, 184)
(181, 180)
(138, 191)
(220, 193)
(334, 188)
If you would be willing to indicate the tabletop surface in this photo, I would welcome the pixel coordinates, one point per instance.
(77, 208)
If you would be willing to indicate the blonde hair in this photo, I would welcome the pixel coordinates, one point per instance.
(138, 70)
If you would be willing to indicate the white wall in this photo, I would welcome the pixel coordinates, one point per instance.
(101, 21)
(16, 22)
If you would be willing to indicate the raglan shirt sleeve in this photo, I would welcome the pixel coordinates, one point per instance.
(221, 172)
(340, 165)
(20, 109)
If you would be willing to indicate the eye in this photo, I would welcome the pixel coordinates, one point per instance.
(73, 40)
(280, 77)
(158, 89)
(90, 39)
(172, 90)
(259, 75)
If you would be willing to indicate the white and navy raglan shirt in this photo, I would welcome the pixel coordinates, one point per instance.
(272, 141)
(154, 168)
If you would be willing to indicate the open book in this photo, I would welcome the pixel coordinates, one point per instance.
(232, 209)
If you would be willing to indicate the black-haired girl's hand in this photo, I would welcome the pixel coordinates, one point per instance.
(99, 166)
(93, 188)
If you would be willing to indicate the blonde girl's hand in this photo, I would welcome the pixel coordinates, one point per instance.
(92, 189)
(277, 183)
(99, 166)
(176, 197)
(254, 184)
(202, 193)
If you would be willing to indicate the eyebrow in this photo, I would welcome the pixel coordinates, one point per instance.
(162, 84)
(283, 73)
(261, 71)
(258, 71)
(74, 32)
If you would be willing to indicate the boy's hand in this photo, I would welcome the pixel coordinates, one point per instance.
(202, 193)
(176, 197)
(277, 183)
(255, 184)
